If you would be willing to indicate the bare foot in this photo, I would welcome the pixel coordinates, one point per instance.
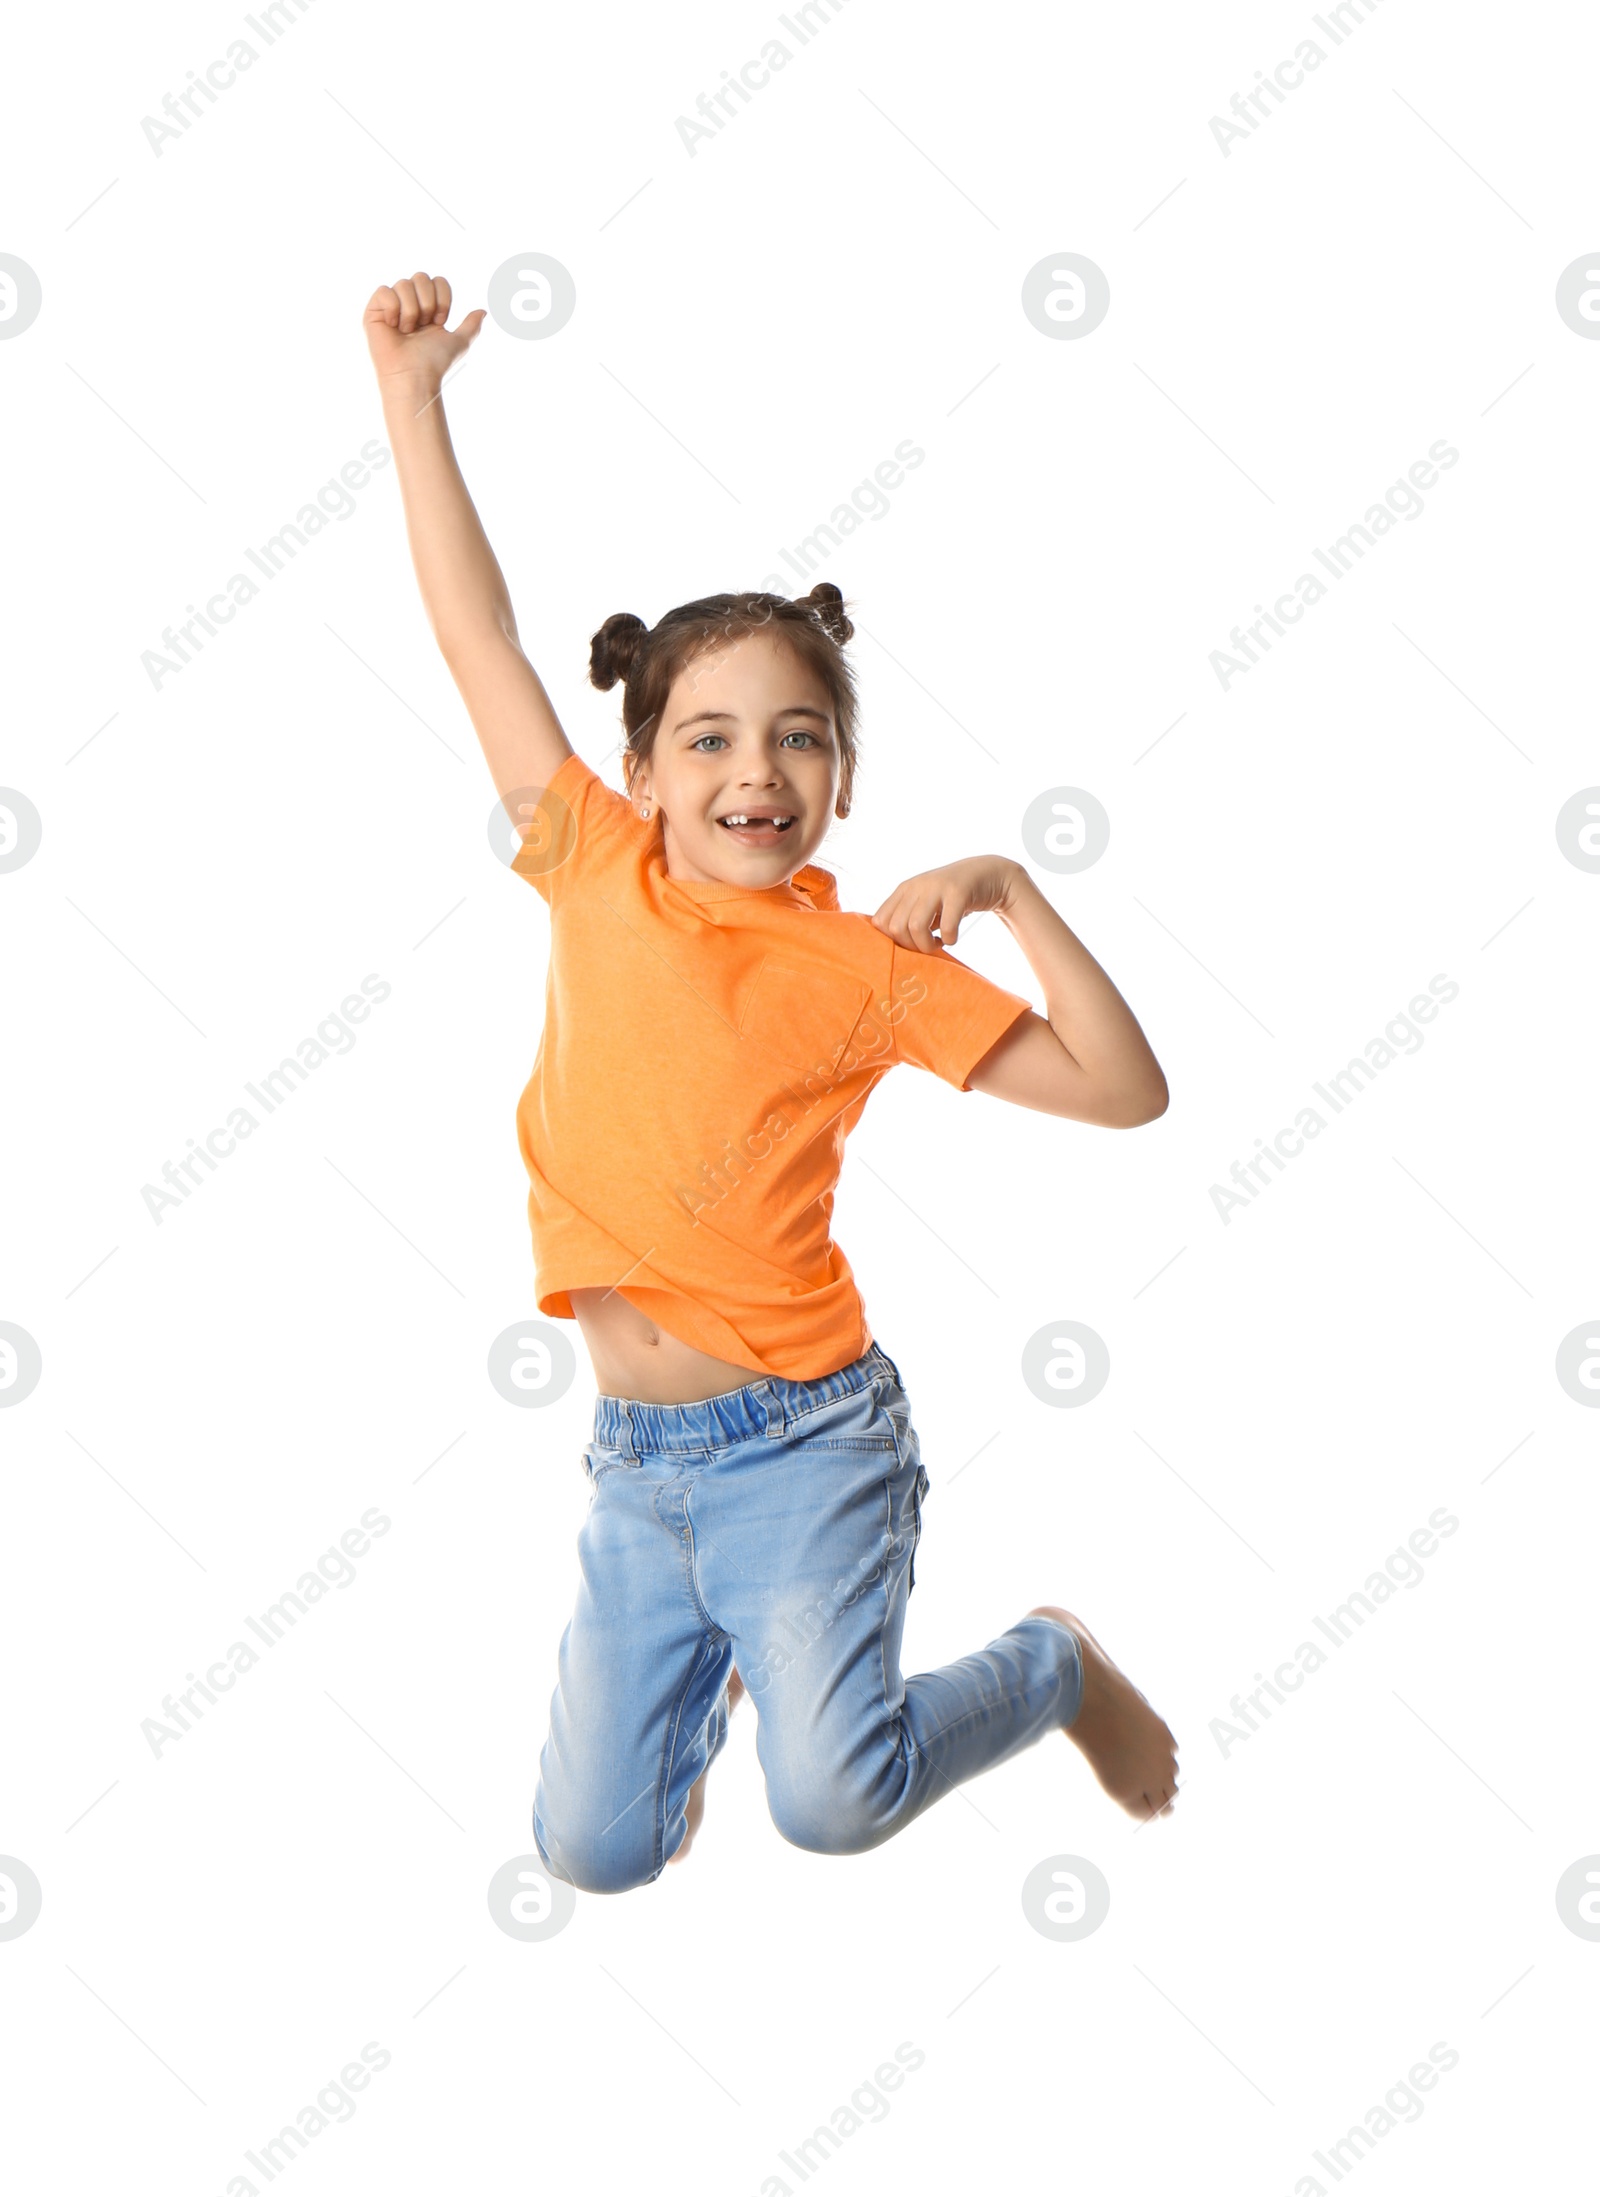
(695, 1806)
(1120, 1736)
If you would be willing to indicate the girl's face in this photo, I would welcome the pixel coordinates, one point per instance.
(748, 730)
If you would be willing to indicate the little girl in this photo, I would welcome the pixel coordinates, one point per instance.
(714, 1026)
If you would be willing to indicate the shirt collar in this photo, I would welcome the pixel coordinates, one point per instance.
(810, 887)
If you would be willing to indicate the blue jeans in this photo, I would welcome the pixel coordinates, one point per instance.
(773, 1527)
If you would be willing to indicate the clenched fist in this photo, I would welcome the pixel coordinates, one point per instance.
(407, 336)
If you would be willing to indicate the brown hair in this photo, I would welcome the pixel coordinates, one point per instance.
(649, 658)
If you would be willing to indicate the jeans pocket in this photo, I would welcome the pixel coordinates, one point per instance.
(853, 1421)
(894, 1410)
(598, 1460)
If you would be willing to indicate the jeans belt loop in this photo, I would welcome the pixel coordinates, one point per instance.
(772, 1411)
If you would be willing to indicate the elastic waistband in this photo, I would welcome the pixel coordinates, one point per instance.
(761, 1407)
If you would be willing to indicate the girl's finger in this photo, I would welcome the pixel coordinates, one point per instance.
(920, 924)
(426, 298)
(441, 291)
(405, 291)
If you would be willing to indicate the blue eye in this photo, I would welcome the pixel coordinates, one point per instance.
(799, 733)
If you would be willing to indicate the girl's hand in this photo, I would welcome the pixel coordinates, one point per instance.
(938, 899)
(406, 331)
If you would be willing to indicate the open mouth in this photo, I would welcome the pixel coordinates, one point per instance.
(757, 830)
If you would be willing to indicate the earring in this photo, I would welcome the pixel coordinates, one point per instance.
(645, 811)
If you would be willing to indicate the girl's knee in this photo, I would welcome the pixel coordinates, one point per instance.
(825, 1815)
(594, 1861)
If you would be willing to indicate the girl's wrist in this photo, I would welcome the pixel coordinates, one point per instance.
(406, 394)
(1018, 885)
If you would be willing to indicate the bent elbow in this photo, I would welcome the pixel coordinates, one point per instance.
(1143, 1106)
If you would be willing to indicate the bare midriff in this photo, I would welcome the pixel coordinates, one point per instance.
(634, 1357)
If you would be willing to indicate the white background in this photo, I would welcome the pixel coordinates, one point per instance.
(223, 860)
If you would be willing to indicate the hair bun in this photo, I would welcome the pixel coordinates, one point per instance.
(613, 649)
(826, 605)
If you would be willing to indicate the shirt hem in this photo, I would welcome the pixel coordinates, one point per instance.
(1019, 1009)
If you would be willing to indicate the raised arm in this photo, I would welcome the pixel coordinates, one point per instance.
(463, 589)
(1086, 1058)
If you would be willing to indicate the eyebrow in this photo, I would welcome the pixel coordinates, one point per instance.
(726, 717)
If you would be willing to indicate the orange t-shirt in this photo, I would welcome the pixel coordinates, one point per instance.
(707, 1049)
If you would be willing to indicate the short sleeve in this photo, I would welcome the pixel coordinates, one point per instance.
(952, 1014)
(574, 822)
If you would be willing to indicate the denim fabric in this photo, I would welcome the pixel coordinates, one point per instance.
(773, 1527)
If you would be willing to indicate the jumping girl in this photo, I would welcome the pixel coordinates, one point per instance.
(714, 1025)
